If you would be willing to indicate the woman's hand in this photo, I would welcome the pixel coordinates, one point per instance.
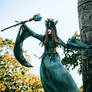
(76, 34)
(22, 22)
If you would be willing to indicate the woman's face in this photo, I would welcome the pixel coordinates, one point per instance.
(49, 31)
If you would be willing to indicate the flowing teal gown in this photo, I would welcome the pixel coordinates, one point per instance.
(54, 77)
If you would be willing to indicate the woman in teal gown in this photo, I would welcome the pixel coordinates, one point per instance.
(54, 77)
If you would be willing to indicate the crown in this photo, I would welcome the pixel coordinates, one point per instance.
(50, 23)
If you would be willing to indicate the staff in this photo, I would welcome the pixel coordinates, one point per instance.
(36, 17)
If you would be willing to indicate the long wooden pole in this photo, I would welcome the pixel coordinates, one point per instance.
(36, 17)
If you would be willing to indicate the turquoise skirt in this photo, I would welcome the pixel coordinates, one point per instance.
(54, 77)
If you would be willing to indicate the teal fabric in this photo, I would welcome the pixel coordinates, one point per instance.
(18, 52)
(76, 44)
(54, 77)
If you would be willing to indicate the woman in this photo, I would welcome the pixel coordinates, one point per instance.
(54, 77)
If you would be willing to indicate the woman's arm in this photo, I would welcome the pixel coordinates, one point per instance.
(76, 44)
(32, 33)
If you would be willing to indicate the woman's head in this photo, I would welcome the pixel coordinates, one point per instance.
(51, 25)
(51, 30)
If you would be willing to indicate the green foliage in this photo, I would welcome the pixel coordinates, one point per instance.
(13, 76)
(72, 59)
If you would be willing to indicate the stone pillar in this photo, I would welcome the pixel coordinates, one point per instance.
(85, 25)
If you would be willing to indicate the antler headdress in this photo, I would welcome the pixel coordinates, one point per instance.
(50, 23)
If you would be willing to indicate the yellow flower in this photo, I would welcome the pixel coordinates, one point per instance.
(1, 85)
(29, 90)
(11, 45)
(3, 89)
(1, 43)
(7, 56)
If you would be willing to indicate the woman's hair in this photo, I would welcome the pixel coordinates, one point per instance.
(50, 24)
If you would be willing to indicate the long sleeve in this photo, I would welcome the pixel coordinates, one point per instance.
(74, 43)
(24, 33)
(32, 33)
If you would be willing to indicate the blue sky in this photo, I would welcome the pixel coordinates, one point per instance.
(65, 11)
